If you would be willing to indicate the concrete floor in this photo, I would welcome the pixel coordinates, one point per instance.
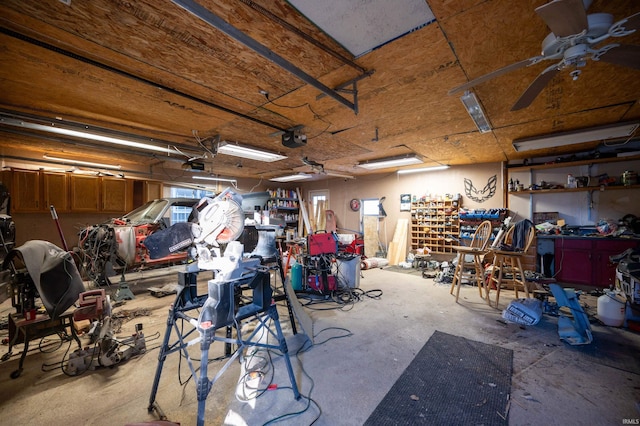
(360, 350)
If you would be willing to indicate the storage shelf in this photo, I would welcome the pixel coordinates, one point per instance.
(435, 224)
(277, 205)
(589, 190)
(572, 163)
(586, 188)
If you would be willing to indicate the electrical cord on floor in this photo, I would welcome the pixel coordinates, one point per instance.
(304, 348)
(45, 349)
(64, 366)
(46, 367)
(257, 369)
(360, 294)
(345, 298)
(349, 334)
(253, 373)
(307, 398)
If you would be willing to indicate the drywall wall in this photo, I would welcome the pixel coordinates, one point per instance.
(392, 185)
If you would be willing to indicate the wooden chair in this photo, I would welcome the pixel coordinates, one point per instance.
(470, 259)
(507, 263)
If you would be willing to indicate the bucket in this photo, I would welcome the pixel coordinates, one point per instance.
(611, 309)
(349, 271)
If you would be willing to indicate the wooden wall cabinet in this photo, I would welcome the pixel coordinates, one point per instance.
(152, 190)
(85, 193)
(25, 191)
(117, 195)
(34, 191)
(144, 191)
(56, 191)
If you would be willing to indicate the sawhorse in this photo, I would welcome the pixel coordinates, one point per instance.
(187, 300)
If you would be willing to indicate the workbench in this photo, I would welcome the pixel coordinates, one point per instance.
(22, 330)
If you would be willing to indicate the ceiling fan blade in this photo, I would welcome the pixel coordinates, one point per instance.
(496, 73)
(535, 88)
(564, 17)
(625, 55)
(633, 22)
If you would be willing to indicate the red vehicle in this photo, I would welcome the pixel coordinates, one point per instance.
(115, 247)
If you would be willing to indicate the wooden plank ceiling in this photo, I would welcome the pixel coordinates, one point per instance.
(151, 69)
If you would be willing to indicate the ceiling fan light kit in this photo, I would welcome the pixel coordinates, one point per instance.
(248, 152)
(600, 133)
(383, 163)
(471, 103)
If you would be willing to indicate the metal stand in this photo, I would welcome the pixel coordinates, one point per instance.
(123, 292)
(23, 331)
(224, 313)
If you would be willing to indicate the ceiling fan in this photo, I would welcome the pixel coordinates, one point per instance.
(573, 40)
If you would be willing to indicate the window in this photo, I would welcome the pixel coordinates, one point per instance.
(179, 213)
(319, 197)
(318, 205)
(371, 207)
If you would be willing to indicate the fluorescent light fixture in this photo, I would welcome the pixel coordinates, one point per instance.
(340, 175)
(82, 163)
(383, 163)
(213, 178)
(291, 178)
(248, 152)
(476, 112)
(422, 169)
(612, 131)
(63, 128)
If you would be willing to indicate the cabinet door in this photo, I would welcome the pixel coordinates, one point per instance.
(115, 195)
(85, 193)
(56, 191)
(605, 270)
(152, 190)
(574, 261)
(26, 191)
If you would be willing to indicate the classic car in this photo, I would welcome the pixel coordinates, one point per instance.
(116, 246)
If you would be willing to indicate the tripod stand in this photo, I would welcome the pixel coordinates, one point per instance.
(219, 309)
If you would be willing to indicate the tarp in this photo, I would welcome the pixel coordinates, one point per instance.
(53, 272)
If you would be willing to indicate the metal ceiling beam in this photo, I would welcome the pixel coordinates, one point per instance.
(210, 18)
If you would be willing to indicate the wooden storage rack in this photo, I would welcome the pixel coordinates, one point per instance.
(435, 224)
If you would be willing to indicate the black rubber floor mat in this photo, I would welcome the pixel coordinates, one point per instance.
(452, 380)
